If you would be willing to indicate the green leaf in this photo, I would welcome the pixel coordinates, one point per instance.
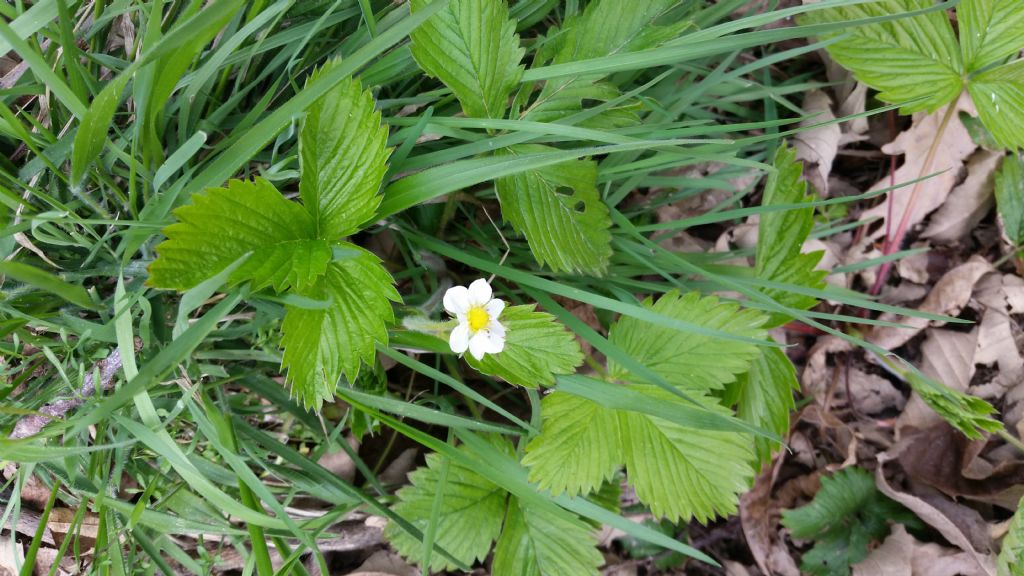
(322, 345)
(690, 361)
(469, 512)
(471, 46)
(846, 515)
(225, 224)
(781, 236)
(1011, 557)
(536, 349)
(915, 58)
(560, 212)
(545, 542)
(605, 28)
(990, 30)
(764, 397)
(968, 414)
(45, 281)
(579, 448)
(999, 97)
(683, 473)
(92, 132)
(1010, 198)
(343, 157)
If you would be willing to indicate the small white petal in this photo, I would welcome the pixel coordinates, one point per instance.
(456, 300)
(479, 292)
(479, 344)
(496, 328)
(494, 308)
(459, 339)
(495, 342)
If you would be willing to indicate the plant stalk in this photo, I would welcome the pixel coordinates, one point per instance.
(892, 245)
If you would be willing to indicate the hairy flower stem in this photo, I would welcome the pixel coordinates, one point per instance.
(892, 245)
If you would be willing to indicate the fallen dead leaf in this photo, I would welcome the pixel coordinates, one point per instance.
(915, 267)
(818, 142)
(947, 356)
(954, 148)
(949, 296)
(934, 518)
(11, 556)
(759, 517)
(903, 555)
(339, 462)
(385, 563)
(969, 202)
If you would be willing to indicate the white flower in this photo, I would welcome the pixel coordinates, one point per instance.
(478, 329)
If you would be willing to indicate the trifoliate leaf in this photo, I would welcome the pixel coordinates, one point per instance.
(905, 59)
(679, 472)
(536, 349)
(544, 542)
(579, 448)
(224, 224)
(764, 397)
(560, 212)
(781, 236)
(321, 345)
(846, 515)
(990, 30)
(998, 94)
(689, 360)
(471, 46)
(682, 473)
(469, 516)
(968, 414)
(343, 157)
(605, 28)
(1010, 198)
(1011, 557)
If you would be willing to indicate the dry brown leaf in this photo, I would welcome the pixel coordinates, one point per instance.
(338, 461)
(969, 202)
(817, 377)
(954, 148)
(949, 296)
(385, 563)
(903, 555)
(915, 267)
(759, 517)
(11, 556)
(947, 356)
(397, 471)
(818, 143)
(872, 394)
(934, 518)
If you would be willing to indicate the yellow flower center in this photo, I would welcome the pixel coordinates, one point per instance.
(478, 318)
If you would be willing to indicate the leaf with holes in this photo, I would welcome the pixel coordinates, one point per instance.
(560, 212)
(343, 157)
(471, 46)
(536, 349)
(689, 360)
(322, 345)
(912, 61)
(224, 224)
(781, 236)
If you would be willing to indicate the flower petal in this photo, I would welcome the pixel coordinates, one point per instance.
(459, 340)
(479, 344)
(479, 292)
(495, 342)
(456, 300)
(494, 308)
(496, 328)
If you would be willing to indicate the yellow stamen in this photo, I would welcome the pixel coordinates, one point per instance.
(478, 318)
